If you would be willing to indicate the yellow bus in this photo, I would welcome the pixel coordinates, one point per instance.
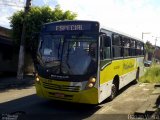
(82, 62)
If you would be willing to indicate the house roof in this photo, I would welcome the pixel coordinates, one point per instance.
(5, 37)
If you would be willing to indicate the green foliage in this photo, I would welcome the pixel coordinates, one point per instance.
(149, 47)
(152, 75)
(34, 20)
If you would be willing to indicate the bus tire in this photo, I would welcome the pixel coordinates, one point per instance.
(114, 91)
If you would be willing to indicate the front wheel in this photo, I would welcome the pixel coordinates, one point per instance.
(114, 91)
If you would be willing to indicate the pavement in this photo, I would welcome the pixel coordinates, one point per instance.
(10, 82)
(140, 101)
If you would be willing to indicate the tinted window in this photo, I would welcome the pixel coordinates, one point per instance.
(117, 46)
(68, 54)
(133, 47)
(105, 47)
(126, 44)
(116, 40)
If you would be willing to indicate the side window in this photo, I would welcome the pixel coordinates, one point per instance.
(138, 48)
(133, 47)
(126, 44)
(105, 47)
(142, 49)
(116, 46)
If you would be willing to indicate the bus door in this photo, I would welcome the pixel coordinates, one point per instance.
(105, 61)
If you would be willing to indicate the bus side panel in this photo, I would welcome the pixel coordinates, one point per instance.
(140, 64)
(129, 71)
(125, 69)
(106, 78)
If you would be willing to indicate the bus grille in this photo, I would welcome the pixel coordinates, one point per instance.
(61, 87)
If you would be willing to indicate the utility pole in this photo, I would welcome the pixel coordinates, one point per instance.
(22, 45)
(154, 52)
(146, 54)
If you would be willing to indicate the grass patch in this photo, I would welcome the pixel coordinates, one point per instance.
(152, 75)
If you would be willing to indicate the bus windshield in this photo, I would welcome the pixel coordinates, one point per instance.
(69, 54)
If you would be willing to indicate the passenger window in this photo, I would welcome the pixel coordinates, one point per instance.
(117, 46)
(133, 48)
(126, 44)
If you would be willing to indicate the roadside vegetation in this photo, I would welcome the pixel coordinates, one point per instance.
(36, 17)
(152, 75)
(34, 20)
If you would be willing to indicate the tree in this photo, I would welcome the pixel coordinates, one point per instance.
(149, 50)
(157, 53)
(34, 20)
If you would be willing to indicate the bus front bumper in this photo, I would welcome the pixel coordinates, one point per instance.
(89, 96)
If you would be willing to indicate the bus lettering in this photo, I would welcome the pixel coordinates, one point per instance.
(69, 27)
(128, 66)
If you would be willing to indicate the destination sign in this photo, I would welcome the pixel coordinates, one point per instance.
(69, 27)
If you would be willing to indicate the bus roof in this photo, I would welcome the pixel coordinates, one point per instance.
(68, 21)
(118, 32)
(101, 27)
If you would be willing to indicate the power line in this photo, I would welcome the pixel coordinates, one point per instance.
(12, 5)
(11, 1)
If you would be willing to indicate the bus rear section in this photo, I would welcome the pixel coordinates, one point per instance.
(67, 62)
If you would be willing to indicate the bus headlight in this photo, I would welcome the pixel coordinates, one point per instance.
(36, 77)
(90, 85)
(91, 82)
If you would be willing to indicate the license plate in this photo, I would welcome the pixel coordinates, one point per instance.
(60, 95)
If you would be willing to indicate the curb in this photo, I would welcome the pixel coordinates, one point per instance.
(13, 82)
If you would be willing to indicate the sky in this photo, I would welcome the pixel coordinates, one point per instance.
(132, 17)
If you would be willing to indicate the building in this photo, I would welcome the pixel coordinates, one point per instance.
(8, 58)
(157, 53)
